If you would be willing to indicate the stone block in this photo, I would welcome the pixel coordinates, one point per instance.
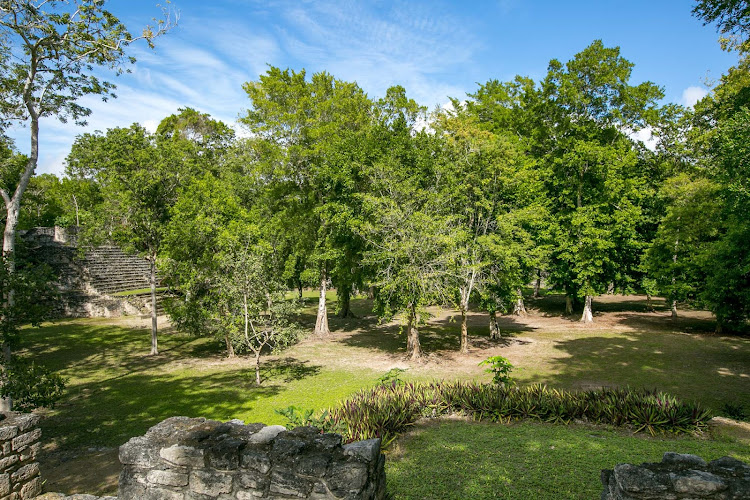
(167, 478)
(26, 421)
(285, 482)
(224, 454)
(4, 484)
(636, 479)
(251, 480)
(266, 434)
(8, 462)
(26, 439)
(30, 452)
(183, 455)
(346, 477)
(210, 483)
(139, 451)
(8, 432)
(698, 483)
(256, 460)
(683, 460)
(31, 489)
(25, 473)
(366, 451)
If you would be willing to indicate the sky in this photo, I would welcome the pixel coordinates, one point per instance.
(436, 49)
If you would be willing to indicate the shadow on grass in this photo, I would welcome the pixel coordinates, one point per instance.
(708, 369)
(288, 370)
(553, 304)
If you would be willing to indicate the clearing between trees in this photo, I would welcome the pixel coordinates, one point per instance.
(115, 392)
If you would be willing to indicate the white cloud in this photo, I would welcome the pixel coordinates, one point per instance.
(692, 95)
(646, 136)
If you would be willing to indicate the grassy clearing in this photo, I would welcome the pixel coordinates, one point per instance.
(115, 391)
(457, 459)
(140, 291)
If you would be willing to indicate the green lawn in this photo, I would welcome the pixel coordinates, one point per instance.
(115, 391)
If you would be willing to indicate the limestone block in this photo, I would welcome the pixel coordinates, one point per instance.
(31, 489)
(254, 459)
(697, 482)
(30, 452)
(7, 462)
(25, 473)
(183, 455)
(683, 459)
(138, 451)
(4, 484)
(210, 483)
(636, 479)
(347, 477)
(367, 451)
(266, 434)
(252, 480)
(19, 442)
(285, 482)
(167, 478)
(8, 432)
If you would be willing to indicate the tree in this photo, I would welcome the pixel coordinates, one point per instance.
(591, 166)
(50, 52)
(138, 183)
(307, 127)
(226, 273)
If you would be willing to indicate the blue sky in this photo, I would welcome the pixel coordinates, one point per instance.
(435, 49)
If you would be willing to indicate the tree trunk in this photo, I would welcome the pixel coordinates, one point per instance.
(257, 366)
(344, 298)
(230, 347)
(674, 265)
(321, 323)
(494, 330)
(568, 305)
(154, 347)
(537, 283)
(588, 315)
(299, 290)
(464, 331)
(519, 309)
(674, 309)
(6, 403)
(649, 304)
(413, 348)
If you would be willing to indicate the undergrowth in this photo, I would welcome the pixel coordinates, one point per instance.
(388, 409)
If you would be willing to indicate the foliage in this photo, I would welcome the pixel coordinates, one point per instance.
(31, 385)
(386, 410)
(500, 369)
(392, 376)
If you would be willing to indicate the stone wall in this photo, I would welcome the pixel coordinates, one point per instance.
(678, 477)
(19, 470)
(198, 459)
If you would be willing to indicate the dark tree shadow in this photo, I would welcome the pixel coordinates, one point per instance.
(288, 370)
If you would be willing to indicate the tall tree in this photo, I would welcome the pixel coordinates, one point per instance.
(309, 124)
(51, 50)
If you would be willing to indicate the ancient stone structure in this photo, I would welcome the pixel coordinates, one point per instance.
(89, 282)
(194, 458)
(19, 470)
(678, 477)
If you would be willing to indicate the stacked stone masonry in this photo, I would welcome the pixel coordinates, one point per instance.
(19, 470)
(197, 459)
(87, 282)
(679, 477)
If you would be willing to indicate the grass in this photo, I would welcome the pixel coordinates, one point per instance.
(116, 392)
(457, 459)
(128, 293)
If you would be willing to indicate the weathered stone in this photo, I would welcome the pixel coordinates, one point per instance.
(167, 478)
(367, 451)
(25, 421)
(286, 448)
(731, 465)
(8, 462)
(636, 479)
(347, 477)
(25, 473)
(285, 482)
(313, 465)
(267, 434)
(8, 432)
(26, 439)
(210, 483)
(225, 453)
(183, 455)
(252, 480)
(30, 452)
(327, 442)
(249, 495)
(697, 482)
(138, 451)
(4, 484)
(32, 488)
(255, 460)
(683, 459)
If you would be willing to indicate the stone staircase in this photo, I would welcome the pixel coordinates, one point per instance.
(89, 283)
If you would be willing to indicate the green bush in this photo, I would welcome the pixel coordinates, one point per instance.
(31, 386)
(500, 369)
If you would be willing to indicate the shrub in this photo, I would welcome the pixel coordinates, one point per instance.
(31, 386)
(500, 368)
